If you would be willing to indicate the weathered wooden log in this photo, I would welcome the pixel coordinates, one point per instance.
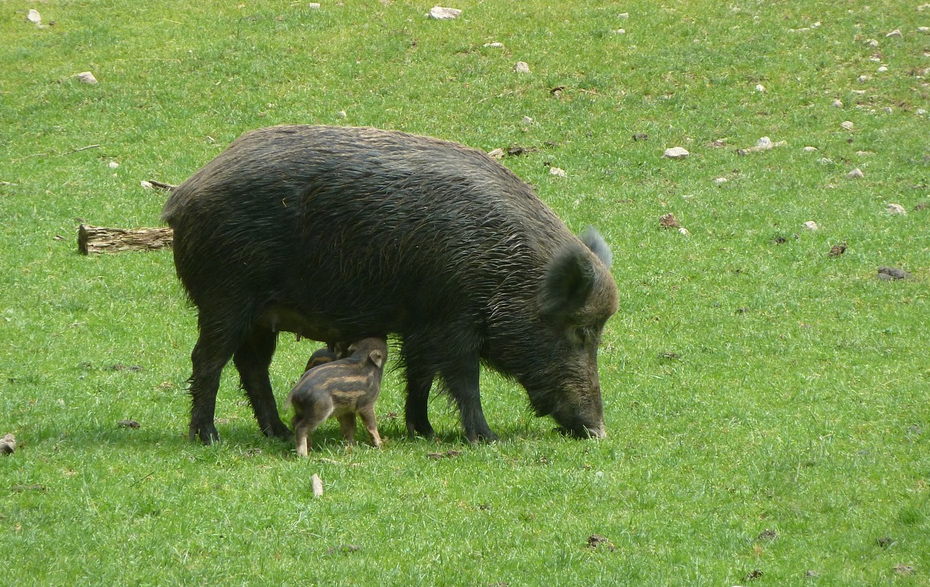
(97, 239)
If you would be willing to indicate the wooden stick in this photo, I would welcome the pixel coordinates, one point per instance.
(97, 239)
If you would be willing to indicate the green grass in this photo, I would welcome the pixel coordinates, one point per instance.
(749, 386)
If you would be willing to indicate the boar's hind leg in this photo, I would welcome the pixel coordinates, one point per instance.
(210, 355)
(252, 359)
(462, 383)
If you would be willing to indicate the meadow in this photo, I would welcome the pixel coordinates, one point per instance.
(766, 402)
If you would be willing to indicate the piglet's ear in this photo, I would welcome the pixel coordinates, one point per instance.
(377, 357)
(568, 283)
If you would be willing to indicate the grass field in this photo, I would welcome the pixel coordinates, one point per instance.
(766, 403)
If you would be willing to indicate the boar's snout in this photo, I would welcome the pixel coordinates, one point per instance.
(580, 425)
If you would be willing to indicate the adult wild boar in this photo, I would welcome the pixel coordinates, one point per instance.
(339, 233)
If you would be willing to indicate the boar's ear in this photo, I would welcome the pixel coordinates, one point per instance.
(594, 241)
(568, 283)
(377, 357)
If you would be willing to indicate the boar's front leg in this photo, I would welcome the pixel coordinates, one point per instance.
(462, 382)
(252, 359)
(419, 382)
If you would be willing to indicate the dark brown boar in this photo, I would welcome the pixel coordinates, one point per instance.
(340, 388)
(340, 233)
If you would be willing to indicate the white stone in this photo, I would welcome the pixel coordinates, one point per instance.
(882, 69)
(86, 77)
(863, 78)
(921, 112)
(760, 88)
(676, 153)
(624, 15)
(887, 110)
(923, 29)
(872, 43)
(896, 209)
(894, 33)
(826, 161)
(847, 125)
(527, 120)
(314, 6)
(620, 32)
(855, 174)
(497, 153)
(34, 17)
(764, 143)
(720, 180)
(810, 149)
(341, 114)
(494, 45)
(521, 67)
(684, 231)
(557, 171)
(113, 165)
(146, 185)
(837, 104)
(811, 225)
(442, 13)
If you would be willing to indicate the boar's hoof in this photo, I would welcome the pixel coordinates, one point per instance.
(278, 431)
(205, 432)
(424, 429)
(475, 437)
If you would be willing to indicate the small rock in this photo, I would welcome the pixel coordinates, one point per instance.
(497, 153)
(882, 69)
(521, 67)
(855, 174)
(527, 120)
(720, 180)
(889, 273)
(847, 125)
(811, 225)
(7, 444)
(494, 45)
(923, 29)
(317, 485)
(113, 165)
(920, 112)
(34, 17)
(620, 32)
(557, 171)
(896, 209)
(810, 149)
(838, 249)
(624, 15)
(146, 185)
(442, 13)
(894, 33)
(341, 114)
(86, 77)
(314, 6)
(760, 88)
(676, 153)
(684, 231)
(837, 104)
(871, 43)
(864, 78)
